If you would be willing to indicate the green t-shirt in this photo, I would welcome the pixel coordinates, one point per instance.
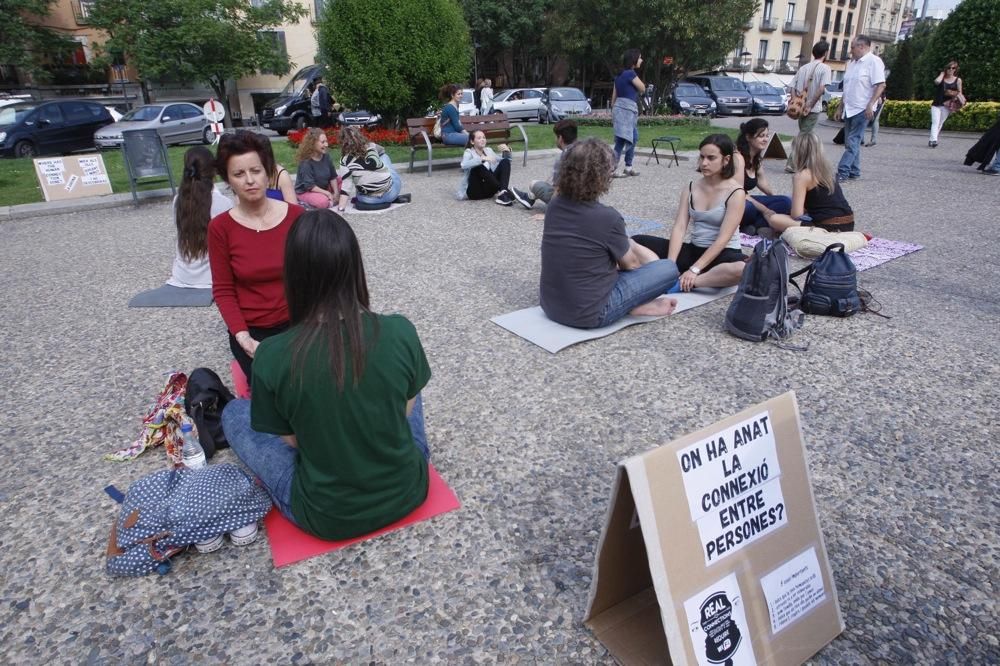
(358, 467)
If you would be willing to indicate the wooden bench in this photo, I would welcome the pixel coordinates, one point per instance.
(496, 126)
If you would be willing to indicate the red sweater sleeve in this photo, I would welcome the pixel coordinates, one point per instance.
(223, 279)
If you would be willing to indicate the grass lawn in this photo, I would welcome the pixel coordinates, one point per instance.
(19, 184)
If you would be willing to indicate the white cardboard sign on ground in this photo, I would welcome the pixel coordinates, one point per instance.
(669, 592)
(72, 176)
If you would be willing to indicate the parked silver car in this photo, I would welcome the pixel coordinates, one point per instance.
(562, 103)
(179, 122)
(833, 90)
(519, 103)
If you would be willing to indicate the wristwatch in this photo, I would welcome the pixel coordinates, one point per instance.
(695, 270)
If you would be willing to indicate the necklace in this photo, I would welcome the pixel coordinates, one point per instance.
(259, 221)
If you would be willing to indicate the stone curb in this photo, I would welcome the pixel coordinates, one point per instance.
(46, 208)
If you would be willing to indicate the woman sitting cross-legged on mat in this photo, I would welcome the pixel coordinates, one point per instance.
(815, 191)
(592, 274)
(196, 203)
(485, 175)
(751, 144)
(705, 240)
(335, 427)
(315, 180)
(246, 250)
(365, 170)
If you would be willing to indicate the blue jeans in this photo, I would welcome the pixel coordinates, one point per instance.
(455, 138)
(636, 287)
(854, 132)
(394, 189)
(629, 148)
(754, 219)
(996, 163)
(273, 461)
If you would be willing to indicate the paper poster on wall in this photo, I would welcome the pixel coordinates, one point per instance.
(665, 589)
(72, 177)
(718, 624)
(793, 589)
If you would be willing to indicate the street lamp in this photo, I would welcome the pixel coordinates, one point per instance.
(743, 72)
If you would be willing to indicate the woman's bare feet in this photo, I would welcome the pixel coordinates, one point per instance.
(659, 306)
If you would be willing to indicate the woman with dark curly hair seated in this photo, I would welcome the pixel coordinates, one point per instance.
(592, 274)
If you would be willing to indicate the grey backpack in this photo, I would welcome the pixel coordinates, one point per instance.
(165, 512)
(759, 309)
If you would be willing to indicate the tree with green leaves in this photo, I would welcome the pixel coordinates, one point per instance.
(514, 27)
(694, 33)
(971, 36)
(392, 56)
(210, 41)
(24, 43)
(899, 84)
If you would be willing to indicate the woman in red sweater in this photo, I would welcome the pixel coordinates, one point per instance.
(246, 249)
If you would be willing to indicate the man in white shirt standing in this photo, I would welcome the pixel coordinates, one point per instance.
(864, 82)
(811, 79)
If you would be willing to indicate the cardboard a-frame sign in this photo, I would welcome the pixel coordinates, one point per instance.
(775, 149)
(712, 554)
(72, 177)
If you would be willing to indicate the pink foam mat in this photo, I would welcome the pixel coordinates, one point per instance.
(240, 384)
(877, 252)
(289, 544)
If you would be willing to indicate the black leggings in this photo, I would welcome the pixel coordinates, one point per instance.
(689, 253)
(484, 183)
(258, 334)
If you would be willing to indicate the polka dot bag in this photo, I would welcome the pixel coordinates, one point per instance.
(165, 512)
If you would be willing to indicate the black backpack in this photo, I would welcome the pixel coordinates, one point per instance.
(759, 309)
(831, 286)
(204, 399)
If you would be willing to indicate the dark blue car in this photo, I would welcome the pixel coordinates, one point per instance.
(766, 98)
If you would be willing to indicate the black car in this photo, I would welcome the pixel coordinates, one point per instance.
(766, 98)
(730, 95)
(691, 100)
(50, 128)
(291, 108)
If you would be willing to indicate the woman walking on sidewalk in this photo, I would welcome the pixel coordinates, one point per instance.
(948, 98)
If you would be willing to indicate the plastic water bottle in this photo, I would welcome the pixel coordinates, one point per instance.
(192, 454)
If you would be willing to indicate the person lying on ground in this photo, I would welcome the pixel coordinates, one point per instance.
(705, 239)
(592, 274)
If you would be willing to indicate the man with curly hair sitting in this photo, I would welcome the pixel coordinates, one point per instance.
(592, 273)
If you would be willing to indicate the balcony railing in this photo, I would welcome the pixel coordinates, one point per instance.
(764, 65)
(788, 66)
(82, 10)
(796, 27)
(876, 35)
(768, 24)
(738, 64)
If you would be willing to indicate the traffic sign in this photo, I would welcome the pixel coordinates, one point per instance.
(214, 111)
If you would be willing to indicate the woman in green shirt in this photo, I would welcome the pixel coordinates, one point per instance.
(335, 427)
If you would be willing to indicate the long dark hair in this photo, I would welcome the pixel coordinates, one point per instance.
(194, 203)
(726, 147)
(750, 129)
(327, 293)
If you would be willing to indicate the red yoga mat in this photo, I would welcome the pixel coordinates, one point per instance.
(241, 387)
(289, 544)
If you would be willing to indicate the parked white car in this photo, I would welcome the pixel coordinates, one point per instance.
(519, 103)
(467, 105)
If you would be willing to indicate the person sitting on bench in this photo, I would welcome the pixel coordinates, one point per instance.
(708, 214)
(592, 274)
(366, 170)
(817, 198)
(452, 132)
(335, 428)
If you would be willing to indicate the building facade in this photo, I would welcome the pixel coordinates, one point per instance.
(773, 43)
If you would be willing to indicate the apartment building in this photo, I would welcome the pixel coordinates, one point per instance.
(773, 43)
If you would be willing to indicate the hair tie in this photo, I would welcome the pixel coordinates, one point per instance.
(191, 172)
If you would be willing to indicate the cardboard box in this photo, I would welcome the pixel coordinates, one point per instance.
(712, 553)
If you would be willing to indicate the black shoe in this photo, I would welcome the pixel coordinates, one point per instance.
(522, 198)
(403, 198)
(505, 199)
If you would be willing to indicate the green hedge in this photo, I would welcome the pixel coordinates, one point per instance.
(604, 120)
(974, 116)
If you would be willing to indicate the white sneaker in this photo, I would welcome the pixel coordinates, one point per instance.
(244, 536)
(619, 174)
(209, 546)
(631, 172)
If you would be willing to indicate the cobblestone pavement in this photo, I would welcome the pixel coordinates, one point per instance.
(899, 419)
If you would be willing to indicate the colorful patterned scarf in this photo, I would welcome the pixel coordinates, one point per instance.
(162, 424)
